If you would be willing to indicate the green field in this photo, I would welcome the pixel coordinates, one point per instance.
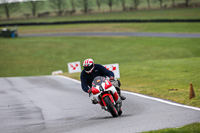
(148, 65)
(184, 13)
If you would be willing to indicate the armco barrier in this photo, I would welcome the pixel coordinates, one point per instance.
(103, 21)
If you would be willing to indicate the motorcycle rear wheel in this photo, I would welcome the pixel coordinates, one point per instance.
(110, 106)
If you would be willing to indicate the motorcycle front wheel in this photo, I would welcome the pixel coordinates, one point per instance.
(110, 106)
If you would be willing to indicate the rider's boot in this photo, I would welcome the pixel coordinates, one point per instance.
(94, 101)
(119, 92)
(122, 97)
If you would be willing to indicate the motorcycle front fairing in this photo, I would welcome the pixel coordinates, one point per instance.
(102, 87)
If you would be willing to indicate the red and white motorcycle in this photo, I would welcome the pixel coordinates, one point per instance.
(106, 95)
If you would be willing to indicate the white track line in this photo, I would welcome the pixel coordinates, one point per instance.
(163, 101)
(144, 96)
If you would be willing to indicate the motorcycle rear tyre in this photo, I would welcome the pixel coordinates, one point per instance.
(110, 106)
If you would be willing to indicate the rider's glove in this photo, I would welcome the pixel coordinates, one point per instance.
(90, 92)
(111, 78)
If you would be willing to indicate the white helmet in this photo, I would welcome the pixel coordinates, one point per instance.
(88, 65)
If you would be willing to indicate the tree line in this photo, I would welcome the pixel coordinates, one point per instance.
(61, 5)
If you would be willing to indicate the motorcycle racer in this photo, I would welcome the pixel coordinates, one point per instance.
(91, 71)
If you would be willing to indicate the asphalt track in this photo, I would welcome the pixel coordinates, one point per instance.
(139, 34)
(55, 104)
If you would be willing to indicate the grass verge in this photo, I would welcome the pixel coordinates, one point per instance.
(191, 128)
